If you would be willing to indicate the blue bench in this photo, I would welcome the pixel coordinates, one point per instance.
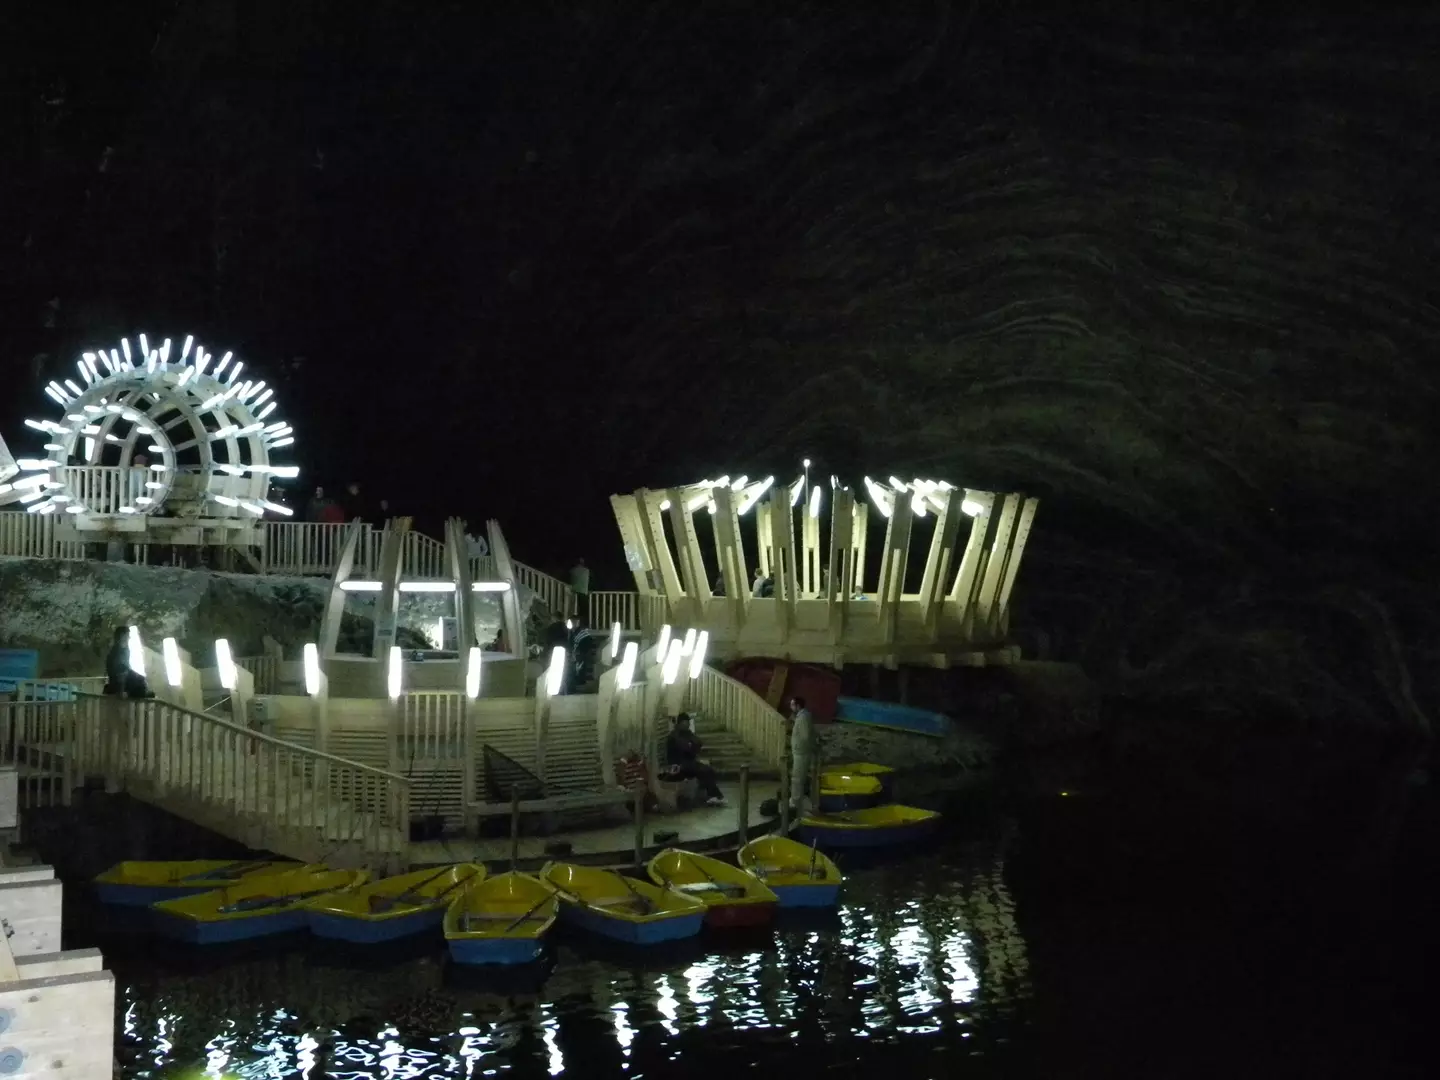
(17, 666)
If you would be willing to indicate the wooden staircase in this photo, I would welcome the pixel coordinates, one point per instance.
(261, 791)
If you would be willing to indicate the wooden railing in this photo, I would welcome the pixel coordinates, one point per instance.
(106, 489)
(312, 547)
(32, 536)
(742, 711)
(421, 557)
(608, 608)
(261, 791)
(553, 593)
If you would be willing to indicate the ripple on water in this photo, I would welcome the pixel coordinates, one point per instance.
(923, 954)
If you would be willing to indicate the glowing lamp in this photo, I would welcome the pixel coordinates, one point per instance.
(626, 675)
(614, 641)
(174, 674)
(137, 652)
(672, 663)
(815, 501)
(395, 674)
(974, 509)
(663, 642)
(555, 672)
(490, 586)
(225, 665)
(311, 656)
(688, 645)
(472, 673)
(697, 658)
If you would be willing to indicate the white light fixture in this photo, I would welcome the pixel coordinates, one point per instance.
(815, 501)
(672, 663)
(614, 641)
(752, 496)
(490, 586)
(797, 490)
(426, 586)
(396, 673)
(697, 658)
(688, 645)
(662, 643)
(170, 650)
(437, 634)
(472, 672)
(555, 672)
(311, 656)
(974, 509)
(626, 675)
(360, 586)
(225, 665)
(884, 500)
(136, 658)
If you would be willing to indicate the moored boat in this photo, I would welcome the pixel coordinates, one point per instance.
(877, 826)
(841, 790)
(391, 908)
(621, 908)
(253, 907)
(730, 895)
(140, 884)
(500, 920)
(800, 876)
(884, 774)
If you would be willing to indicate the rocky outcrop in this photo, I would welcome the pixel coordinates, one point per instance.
(1173, 275)
(68, 610)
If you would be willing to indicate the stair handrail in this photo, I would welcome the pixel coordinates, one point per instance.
(742, 711)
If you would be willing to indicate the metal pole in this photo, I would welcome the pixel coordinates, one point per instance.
(742, 827)
(639, 828)
(514, 827)
(784, 792)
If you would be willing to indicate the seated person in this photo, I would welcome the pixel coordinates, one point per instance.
(120, 677)
(682, 750)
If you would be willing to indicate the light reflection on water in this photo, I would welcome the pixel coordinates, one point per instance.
(921, 949)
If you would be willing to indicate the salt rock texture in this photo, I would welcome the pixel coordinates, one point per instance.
(68, 611)
(1173, 275)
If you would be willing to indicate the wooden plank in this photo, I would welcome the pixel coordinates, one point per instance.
(30, 916)
(55, 965)
(556, 803)
(62, 1026)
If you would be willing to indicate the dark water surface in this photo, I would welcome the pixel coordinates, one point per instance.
(1060, 936)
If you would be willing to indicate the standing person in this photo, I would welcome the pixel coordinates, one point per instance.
(757, 587)
(580, 585)
(316, 506)
(802, 751)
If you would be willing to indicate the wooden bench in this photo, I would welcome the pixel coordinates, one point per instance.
(17, 666)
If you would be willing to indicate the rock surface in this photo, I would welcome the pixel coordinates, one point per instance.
(1174, 275)
(68, 610)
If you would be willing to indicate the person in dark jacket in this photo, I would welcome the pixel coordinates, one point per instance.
(682, 755)
(120, 677)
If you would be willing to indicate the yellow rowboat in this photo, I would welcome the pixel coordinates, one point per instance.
(140, 884)
(848, 791)
(256, 906)
(876, 827)
(800, 876)
(620, 908)
(391, 908)
(731, 896)
(884, 774)
(500, 920)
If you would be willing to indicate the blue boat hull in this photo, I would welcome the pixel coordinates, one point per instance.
(373, 932)
(888, 836)
(675, 928)
(812, 896)
(230, 930)
(497, 951)
(145, 895)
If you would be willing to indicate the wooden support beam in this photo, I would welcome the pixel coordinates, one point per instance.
(335, 600)
(1001, 624)
(962, 593)
(511, 615)
(995, 564)
(387, 604)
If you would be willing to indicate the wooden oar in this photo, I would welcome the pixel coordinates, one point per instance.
(813, 853)
(255, 903)
(724, 890)
(409, 896)
(228, 870)
(645, 905)
(538, 905)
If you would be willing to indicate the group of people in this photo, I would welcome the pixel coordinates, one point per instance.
(349, 506)
(683, 760)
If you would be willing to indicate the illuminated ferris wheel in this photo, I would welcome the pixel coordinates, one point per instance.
(148, 428)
